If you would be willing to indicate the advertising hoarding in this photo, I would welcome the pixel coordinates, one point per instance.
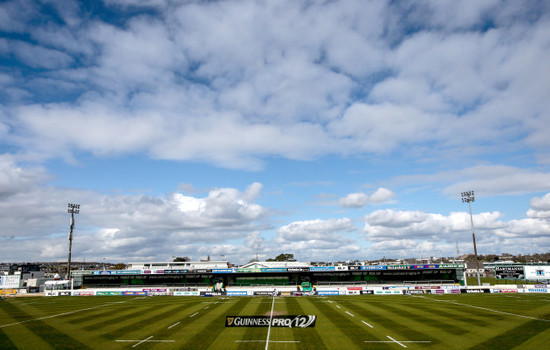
(511, 272)
(540, 272)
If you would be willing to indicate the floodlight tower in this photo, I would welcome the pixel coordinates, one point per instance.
(468, 197)
(72, 209)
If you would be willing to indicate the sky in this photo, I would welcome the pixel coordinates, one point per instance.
(331, 130)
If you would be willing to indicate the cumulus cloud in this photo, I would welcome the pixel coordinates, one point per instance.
(185, 81)
(360, 199)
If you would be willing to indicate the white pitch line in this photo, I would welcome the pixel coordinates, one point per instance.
(263, 341)
(148, 341)
(174, 325)
(349, 313)
(193, 315)
(270, 320)
(338, 306)
(484, 308)
(143, 341)
(367, 324)
(61, 314)
(396, 341)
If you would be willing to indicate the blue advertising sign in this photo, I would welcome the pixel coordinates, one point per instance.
(374, 267)
(321, 268)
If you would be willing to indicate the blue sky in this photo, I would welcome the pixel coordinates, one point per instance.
(334, 130)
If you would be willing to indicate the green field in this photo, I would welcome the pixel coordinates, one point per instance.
(488, 321)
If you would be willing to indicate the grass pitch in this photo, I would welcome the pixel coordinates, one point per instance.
(487, 321)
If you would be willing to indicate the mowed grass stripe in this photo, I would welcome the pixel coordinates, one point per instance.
(144, 324)
(309, 337)
(462, 317)
(329, 318)
(418, 315)
(5, 342)
(49, 334)
(207, 334)
(519, 335)
(91, 315)
(385, 322)
(117, 317)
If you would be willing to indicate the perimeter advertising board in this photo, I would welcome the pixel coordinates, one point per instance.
(10, 281)
(541, 272)
(511, 272)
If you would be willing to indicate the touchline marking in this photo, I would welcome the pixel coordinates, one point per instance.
(349, 313)
(193, 315)
(484, 308)
(174, 325)
(367, 324)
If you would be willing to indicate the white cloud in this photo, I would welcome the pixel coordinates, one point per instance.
(360, 199)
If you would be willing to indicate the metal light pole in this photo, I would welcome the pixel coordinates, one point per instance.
(72, 209)
(468, 197)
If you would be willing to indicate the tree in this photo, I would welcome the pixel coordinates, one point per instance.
(119, 266)
(182, 259)
(283, 257)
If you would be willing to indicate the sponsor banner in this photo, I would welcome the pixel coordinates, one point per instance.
(512, 272)
(8, 291)
(451, 266)
(237, 292)
(127, 272)
(374, 267)
(440, 291)
(134, 293)
(202, 271)
(341, 268)
(297, 269)
(84, 293)
(273, 269)
(224, 270)
(321, 268)
(176, 271)
(187, 293)
(399, 267)
(476, 290)
(425, 266)
(290, 321)
(456, 291)
(367, 292)
(537, 272)
(353, 268)
(64, 293)
(413, 291)
(539, 286)
(249, 270)
(108, 293)
(10, 281)
(537, 290)
(355, 288)
(263, 293)
(328, 292)
(508, 290)
(154, 290)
